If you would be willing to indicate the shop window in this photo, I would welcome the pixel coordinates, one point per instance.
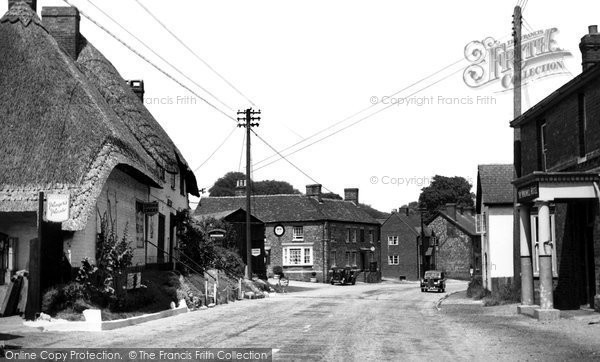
(394, 259)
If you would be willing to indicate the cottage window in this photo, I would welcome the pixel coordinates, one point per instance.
(161, 173)
(182, 182)
(362, 235)
(353, 259)
(139, 225)
(537, 244)
(371, 236)
(392, 240)
(350, 258)
(333, 258)
(293, 256)
(393, 259)
(350, 235)
(298, 233)
(172, 175)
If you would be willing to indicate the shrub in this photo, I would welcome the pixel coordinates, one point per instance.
(476, 289)
(53, 300)
(277, 270)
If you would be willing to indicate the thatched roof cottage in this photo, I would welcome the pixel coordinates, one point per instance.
(71, 125)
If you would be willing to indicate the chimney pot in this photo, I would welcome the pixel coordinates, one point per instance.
(590, 48)
(314, 191)
(137, 86)
(32, 3)
(351, 195)
(62, 23)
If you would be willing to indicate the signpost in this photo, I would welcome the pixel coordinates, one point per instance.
(279, 230)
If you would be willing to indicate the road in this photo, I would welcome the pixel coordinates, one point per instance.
(365, 322)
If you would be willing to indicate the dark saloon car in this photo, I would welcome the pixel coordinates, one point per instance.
(343, 276)
(434, 280)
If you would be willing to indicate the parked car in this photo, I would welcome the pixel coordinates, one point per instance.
(343, 276)
(433, 280)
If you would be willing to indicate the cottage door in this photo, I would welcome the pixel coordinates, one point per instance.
(160, 253)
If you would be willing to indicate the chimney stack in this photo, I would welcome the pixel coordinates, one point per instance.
(240, 188)
(137, 86)
(63, 24)
(351, 195)
(32, 3)
(451, 210)
(314, 191)
(590, 48)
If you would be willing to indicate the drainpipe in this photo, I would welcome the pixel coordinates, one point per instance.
(325, 234)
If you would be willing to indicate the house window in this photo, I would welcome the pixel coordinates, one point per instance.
(333, 258)
(172, 175)
(537, 244)
(392, 240)
(182, 183)
(298, 233)
(139, 225)
(582, 125)
(394, 259)
(543, 146)
(332, 234)
(161, 173)
(371, 236)
(362, 235)
(351, 236)
(350, 258)
(293, 256)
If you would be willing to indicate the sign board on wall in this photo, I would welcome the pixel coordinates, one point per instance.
(57, 207)
(528, 193)
(256, 252)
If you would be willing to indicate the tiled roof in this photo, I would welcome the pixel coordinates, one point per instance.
(288, 208)
(465, 221)
(494, 184)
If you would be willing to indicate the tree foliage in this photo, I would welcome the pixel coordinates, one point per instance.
(443, 190)
(196, 244)
(225, 186)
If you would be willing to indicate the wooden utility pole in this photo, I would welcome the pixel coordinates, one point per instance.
(248, 123)
(34, 298)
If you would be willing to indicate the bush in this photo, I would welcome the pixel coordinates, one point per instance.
(476, 289)
(278, 270)
(53, 300)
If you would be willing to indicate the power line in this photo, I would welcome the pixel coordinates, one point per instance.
(356, 122)
(150, 62)
(192, 51)
(217, 149)
(359, 112)
(288, 161)
(159, 56)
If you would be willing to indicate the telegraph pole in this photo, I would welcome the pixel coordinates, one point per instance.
(248, 122)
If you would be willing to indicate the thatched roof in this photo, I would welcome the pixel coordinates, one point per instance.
(67, 124)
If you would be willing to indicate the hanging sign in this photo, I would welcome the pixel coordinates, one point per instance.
(256, 252)
(57, 208)
(279, 230)
(150, 208)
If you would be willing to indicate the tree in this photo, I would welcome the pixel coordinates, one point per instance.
(331, 195)
(376, 214)
(413, 207)
(226, 185)
(443, 190)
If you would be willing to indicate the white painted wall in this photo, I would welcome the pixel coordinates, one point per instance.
(500, 241)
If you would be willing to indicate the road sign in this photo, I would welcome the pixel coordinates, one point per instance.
(57, 208)
(279, 230)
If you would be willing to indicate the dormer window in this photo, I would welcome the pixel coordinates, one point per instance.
(173, 175)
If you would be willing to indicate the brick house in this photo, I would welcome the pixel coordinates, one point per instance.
(314, 234)
(494, 207)
(558, 165)
(457, 245)
(403, 254)
(72, 126)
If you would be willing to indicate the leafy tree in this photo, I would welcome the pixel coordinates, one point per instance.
(331, 195)
(225, 186)
(443, 190)
(413, 207)
(376, 214)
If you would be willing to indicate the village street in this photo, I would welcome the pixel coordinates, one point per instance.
(365, 322)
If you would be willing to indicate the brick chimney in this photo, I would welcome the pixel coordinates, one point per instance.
(31, 3)
(63, 24)
(314, 191)
(451, 210)
(590, 48)
(240, 188)
(404, 210)
(137, 86)
(351, 195)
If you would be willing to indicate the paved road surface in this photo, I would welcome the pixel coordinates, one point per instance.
(365, 322)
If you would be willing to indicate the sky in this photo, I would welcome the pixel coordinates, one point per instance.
(308, 65)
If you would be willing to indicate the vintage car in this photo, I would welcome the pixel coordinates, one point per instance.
(343, 276)
(433, 280)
